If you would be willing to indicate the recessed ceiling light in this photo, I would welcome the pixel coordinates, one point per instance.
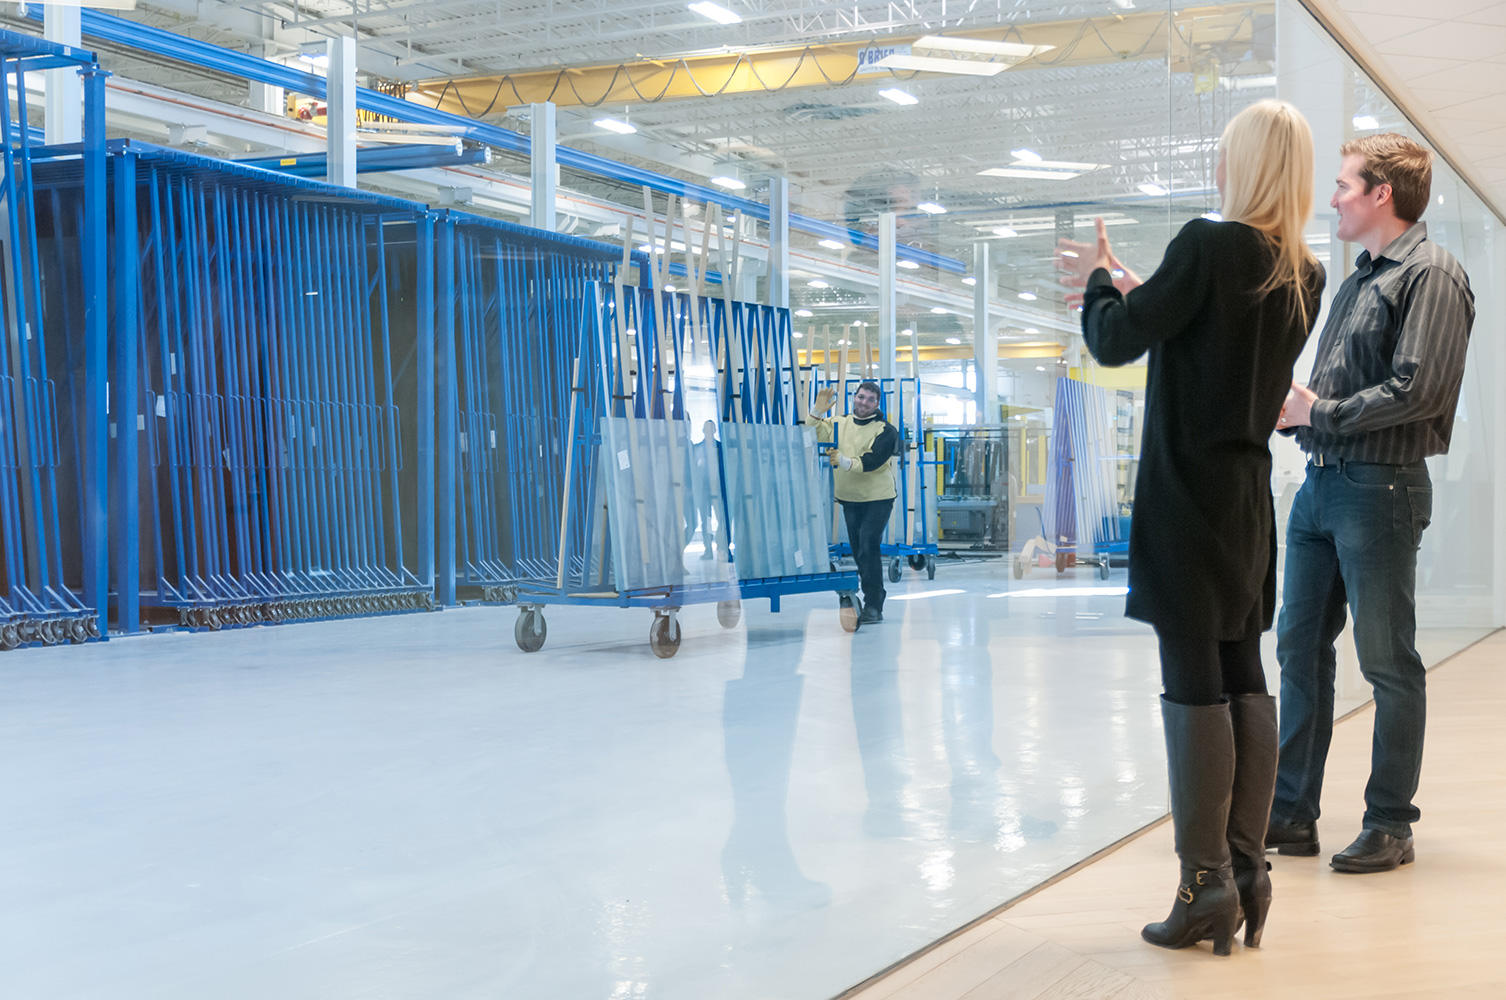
(818, 283)
(800, 336)
(804, 313)
(1005, 232)
(931, 64)
(908, 265)
(715, 11)
(953, 340)
(938, 310)
(1069, 253)
(907, 332)
(970, 280)
(1025, 155)
(1039, 368)
(831, 244)
(1030, 173)
(899, 96)
(613, 125)
(1028, 296)
(669, 288)
(729, 182)
(1154, 190)
(931, 208)
(1213, 217)
(1365, 122)
(1031, 329)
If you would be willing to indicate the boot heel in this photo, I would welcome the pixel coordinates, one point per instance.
(1255, 912)
(1223, 937)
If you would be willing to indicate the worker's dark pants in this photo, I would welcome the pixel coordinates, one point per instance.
(866, 521)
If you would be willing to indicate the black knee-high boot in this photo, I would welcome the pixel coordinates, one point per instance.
(1255, 751)
(1200, 760)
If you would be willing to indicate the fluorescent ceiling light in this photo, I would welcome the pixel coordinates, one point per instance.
(804, 313)
(1030, 173)
(908, 265)
(979, 47)
(925, 64)
(1040, 368)
(1031, 329)
(1213, 217)
(938, 310)
(1005, 232)
(969, 280)
(1365, 122)
(899, 96)
(1154, 190)
(1028, 296)
(613, 125)
(729, 182)
(1025, 155)
(931, 208)
(818, 283)
(831, 244)
(953, 340)
(669, 288)
(714, 11)
(907, 332)
(800, 336)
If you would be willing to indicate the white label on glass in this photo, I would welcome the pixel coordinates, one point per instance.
(799, 559)
(622, 460)
(161, 406)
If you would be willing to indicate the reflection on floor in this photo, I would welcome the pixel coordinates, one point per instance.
(412, 807)
(1427, 931)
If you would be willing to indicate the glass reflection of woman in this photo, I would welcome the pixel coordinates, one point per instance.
(1224, 318)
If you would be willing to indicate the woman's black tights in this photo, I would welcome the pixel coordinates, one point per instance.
(1201, 671)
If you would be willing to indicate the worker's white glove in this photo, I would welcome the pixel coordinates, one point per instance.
(844, 463)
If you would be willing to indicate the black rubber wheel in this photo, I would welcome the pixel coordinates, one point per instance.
(10, 637)
(530, 631)
(1103, 570)
(1061, 562)
(930, 567)
(49, 632)
(1017, 567)
(664, 641)
(729, 613)
(78, 631)
(26, 630)
(894, 570)
(917, 562)
(848, 614)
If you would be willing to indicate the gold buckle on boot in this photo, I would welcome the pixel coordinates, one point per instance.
(1184, 893)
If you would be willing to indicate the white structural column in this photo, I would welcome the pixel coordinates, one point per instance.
(340, 114)
(779, 242)
(265, 97)
(985, 341)
(63, 110)
(888, 251)
(544, 170)
(1493, 313)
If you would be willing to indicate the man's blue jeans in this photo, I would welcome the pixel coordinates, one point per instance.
(1352, 539)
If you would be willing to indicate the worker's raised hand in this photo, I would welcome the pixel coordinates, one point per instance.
(824, 399)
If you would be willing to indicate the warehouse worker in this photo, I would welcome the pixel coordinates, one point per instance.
(863, 464)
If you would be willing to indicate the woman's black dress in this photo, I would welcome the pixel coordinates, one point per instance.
(1203, 535)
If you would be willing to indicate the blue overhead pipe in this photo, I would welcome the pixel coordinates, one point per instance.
(220, 59)
(403, 157)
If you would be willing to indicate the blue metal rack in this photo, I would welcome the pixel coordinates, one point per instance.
(53, 523)
(270, 334)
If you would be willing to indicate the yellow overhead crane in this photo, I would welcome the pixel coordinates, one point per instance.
(1185, 35)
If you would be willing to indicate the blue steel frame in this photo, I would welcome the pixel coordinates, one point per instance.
(55, 557)
(374, 160)
(196, 53)
(275, 441)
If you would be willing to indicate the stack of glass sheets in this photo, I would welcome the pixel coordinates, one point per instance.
(778, 500)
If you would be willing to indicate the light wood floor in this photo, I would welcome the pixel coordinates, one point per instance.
(1427, 930)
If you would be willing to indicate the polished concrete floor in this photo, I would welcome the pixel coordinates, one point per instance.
(411, 807)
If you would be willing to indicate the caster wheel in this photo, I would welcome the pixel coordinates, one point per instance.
(213, 620)
(1017, 568)
(729, 613)
(10, 637)
(530, 631)
(848, 614)
(1103, 570)
(428, 600)
(917, 562)
(1061, 562)
(78, 631)
(664, 640)
(894, 570)
(48, 632)
(930, 568)
(27, 630)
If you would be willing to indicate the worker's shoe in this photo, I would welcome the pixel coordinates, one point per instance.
(1374, 851)
(870, 615)
(1294, 839)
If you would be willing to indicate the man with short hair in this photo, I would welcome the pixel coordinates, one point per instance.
(863, 464)
(1384, 388)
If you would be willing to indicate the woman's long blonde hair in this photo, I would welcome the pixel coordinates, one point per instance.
(1268, 185)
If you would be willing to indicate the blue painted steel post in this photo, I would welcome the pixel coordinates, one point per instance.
(446, 430)
(125, 404)
(95, 431)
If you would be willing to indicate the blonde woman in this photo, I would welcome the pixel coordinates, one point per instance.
(1223, 318)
